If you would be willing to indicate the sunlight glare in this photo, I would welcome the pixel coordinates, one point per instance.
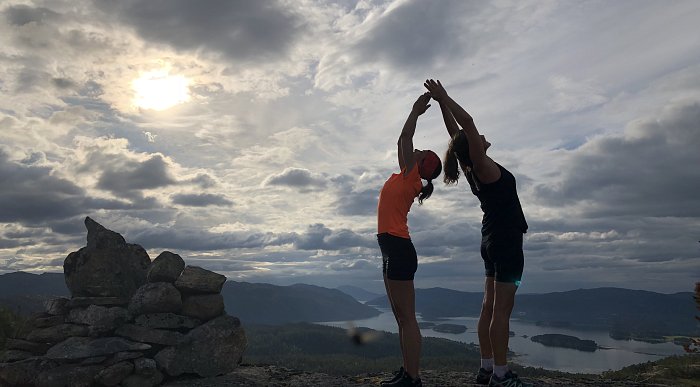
(158, 90)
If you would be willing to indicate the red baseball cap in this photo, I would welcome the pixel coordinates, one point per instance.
(431, 165)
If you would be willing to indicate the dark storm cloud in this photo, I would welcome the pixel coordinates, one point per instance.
(417, 34)
(31, 194)
(654, 170)
(133, 175)
(11, 243)
(241, 30)
(295, 178)
(201, 200)
(19, 15)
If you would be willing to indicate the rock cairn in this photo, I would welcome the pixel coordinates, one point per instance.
(129, 322)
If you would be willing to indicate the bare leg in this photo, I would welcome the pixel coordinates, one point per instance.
(503, 300)
(485, 320)
(404, 296)
(396, 316)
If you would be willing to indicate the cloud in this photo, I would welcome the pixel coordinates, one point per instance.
(32, 194)
(133, 175)
(319, 237)
(359, 203)
(414, 35)
(201, 200)
(150, 136)
(19, 15)
(648, 171)
(297, 178)
(572, 96)
(240, 30)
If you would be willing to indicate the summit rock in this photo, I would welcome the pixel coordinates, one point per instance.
(107, 266)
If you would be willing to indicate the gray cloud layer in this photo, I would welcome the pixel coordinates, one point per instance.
(240, 30)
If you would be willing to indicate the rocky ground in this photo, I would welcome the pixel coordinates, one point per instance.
(248, 375)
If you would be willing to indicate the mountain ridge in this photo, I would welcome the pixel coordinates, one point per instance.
(626, 313)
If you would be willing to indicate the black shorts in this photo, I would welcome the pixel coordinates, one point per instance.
(502, 252)
(399, 258)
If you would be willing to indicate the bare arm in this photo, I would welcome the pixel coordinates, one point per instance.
(450, 123)
(486, 169)
(405, 143)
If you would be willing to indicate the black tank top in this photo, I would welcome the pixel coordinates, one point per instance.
(499, 202)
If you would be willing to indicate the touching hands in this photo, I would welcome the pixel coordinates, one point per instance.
(435, 89)
(421, 104)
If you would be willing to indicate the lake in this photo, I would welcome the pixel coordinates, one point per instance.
(621, 353)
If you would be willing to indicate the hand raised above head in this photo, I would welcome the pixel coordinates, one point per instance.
(421, 104)
(435, 88)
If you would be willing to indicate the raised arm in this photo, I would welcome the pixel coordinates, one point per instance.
(405, 143)
(486, 169)
(450, 123)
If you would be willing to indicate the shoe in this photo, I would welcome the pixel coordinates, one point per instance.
(510, 379)
(484, 376)
(405, 381)
(397, 375)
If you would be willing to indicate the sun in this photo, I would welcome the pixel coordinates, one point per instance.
(158, 90)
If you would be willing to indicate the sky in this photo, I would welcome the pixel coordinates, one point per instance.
(252, 137)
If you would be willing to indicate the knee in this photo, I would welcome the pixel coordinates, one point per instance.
(502, 311)
(405, 318)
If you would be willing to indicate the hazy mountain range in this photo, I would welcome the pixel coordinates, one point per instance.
(623, 312)
(631, 313)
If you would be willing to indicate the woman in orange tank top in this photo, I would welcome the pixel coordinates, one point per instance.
(399, 258)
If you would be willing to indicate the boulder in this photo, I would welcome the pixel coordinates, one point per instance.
(103, 318)
(56, 306)
(167, 267)
(57, 333)
(68, 375)
(84, 347)
(24, 373)
(12, 355)
(93, 360)
(146, 374)
(195, 280)
(203, 307)
(211, 349)
(166, 321)
(107, 266)
(47, 322)
(28, 346)
(149, 335)
(157, 297)
(114, 374)
(79, 302)
(123, 356)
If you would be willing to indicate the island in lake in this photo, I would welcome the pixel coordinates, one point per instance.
(565, 341)
(450, 328)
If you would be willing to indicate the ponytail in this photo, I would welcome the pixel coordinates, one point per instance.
(425, 192)
(451, 170)
(457, 150)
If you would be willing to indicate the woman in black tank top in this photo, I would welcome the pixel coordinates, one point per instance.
(502, 229)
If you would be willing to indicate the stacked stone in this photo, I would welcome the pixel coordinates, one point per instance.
(129, 322)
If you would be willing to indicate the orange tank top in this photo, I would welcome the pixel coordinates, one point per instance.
(395, 200)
